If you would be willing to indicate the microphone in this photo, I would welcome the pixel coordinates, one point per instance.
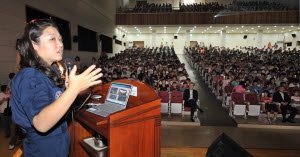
(69, 64)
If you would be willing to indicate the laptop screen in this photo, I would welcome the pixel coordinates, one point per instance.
(119, 93)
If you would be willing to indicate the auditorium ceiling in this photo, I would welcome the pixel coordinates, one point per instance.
(210, 29)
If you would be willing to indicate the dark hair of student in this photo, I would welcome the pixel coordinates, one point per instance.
(28, 55)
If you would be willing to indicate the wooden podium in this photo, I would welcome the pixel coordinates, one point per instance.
(133, 132)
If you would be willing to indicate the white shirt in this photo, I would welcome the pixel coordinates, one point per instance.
(4, 104)
(191, 94)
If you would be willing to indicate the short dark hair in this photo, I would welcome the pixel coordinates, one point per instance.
(3, 88)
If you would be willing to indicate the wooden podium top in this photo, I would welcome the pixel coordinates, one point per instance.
(136, 106)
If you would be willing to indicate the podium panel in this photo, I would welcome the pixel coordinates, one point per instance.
(133, 132)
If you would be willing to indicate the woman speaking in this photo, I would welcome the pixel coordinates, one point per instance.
(39, 101)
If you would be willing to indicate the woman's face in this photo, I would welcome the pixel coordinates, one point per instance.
(50, 48)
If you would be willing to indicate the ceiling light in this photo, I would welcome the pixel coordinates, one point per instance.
(226, 26)
(289, 30)
(252, 28)
(246, 30)
(215, 32)
(150, 27)
(282, 28)
(237, 28)
(210, 27)
(292, 26)
(232, 30)
(191, 34)
(275, 26)
(242, 26)
(165, 27)
(135, 27)
(267, 28)
(195, 26)
(202, 32)
(258, 26)
(275, 30)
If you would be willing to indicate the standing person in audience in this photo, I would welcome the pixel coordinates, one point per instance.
(4, 97)
(284, 99)
(190, 97)
(269, 106)
(38, 99)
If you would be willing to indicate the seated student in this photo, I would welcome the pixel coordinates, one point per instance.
(164, 86)
(240, 88)
(174, 87)
(284, 99)
(188, 81)
(184, 87)
(247, 88)
(270, 88)
(255, 88)
(225, 81)
(181, 77)
(294, 83)
(236, 81)
(190, 97)
(295, 99)
(269, 105)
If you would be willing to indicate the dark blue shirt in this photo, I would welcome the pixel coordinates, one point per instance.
(32, 91)
(256, 89)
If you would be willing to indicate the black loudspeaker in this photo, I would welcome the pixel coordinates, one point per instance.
(224, 146)
(293, 35)
(175, 37)
(114, 37)
(123, 35)
(245, 36)
(75, 38)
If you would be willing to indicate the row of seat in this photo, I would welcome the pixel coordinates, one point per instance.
(238, 104)
(173, 103)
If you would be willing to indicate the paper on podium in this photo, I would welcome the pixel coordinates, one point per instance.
(134, 91)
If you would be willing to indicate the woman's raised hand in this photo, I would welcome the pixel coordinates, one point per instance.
(88, 78)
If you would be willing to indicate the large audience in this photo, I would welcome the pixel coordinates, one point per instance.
(152, 8)
(158, 67)
(252, 70)
(210, 7)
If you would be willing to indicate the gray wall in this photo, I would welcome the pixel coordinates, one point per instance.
(97, 15)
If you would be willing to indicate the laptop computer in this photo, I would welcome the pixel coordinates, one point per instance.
(116, 100)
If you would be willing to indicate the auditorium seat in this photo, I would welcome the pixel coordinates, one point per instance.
(238, 105)
(176, 102)
(226, 95)
(253, 104)
(165, 102)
